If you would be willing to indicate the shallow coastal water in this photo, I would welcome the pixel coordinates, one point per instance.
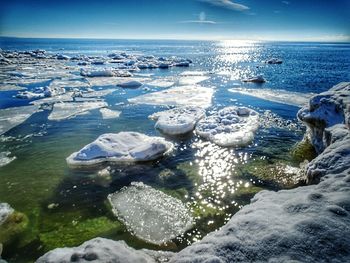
(66, 207)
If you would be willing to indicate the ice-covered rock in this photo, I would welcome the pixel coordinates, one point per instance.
(178, 121)
(5, 158)
(109, 114)
(130, 84)
(178, 96)
(325, 110)
(281, 96)
(257, 79)
(5, 211)
(121, 147)
(66, 110)
(230, 126)
(150, 214)
(97, 250)
(11, 117)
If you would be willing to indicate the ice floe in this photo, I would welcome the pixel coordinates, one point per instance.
(11, 117)
(5, 211)
(178, 96)
(5, 158)
(191, 80)
(281, 96)
(161, 83)
(177, 121)
(66, 110)
(109, 114)
(121, 147)
(230, 126)
(130, 84)
(97, 250)
(193, 73)
(150, 214)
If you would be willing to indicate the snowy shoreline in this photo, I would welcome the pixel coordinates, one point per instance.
(309, 223)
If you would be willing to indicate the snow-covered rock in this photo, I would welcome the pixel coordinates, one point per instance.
(230, 126)
(177, 121)
(5, 211)
(121, 147)
(257, 79)
(178, 96)
(325, 110)
(150, 214)
(97, 250)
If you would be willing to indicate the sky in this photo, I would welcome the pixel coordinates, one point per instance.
(292, 20)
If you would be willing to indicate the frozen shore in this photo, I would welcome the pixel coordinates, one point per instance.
(307, 224)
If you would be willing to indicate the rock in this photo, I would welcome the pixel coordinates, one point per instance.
(121, 147)
(274, 61)
(97, 250)
(231, 126)
(150, 214)
(258, 79)
(178, 121)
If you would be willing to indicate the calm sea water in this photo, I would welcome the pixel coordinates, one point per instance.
(214, 181)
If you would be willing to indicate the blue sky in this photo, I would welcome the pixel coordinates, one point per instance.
(308, 20)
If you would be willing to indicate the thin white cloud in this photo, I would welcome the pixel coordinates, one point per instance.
(286, 2)
(202, 19)
(228, 4)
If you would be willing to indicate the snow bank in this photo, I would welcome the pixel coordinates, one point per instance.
(5, 211)
(120, 147)
(178, 96)
(66, 110)
(231, 126)
(281, 96)
(325, 110)
(177, 121)
(150, 214)
(97, 250)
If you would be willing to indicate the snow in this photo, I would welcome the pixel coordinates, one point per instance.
(66, 110)
(97, 250)
(11, 117)
(5, 211)
(257, 79)
(178, 121)
(281, 96)
(121, 147)
(178, 96)
(5, 158)
(130, 84)
(150, 214)
(230, 126)
(109, 114)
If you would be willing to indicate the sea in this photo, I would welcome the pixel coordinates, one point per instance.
(63, 207)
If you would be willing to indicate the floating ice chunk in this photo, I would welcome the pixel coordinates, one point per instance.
(66, 110)
(150, 214)
(120, 147)
(280, 96)
(11, 117)
(67, 97)
(231, 126)
(109, 114)
(7, 87)
(130, 84)
(190, 80)
(29, 95)
(193, 73)
(97, 73)
(97, 250)
(62, 57)
(5, 211)
(178, 96)
(257, 79)
(182, 63)
(161, 83)
(97, 93)
(68, 83)
(111, 81)
(178, 121)
(5, 158)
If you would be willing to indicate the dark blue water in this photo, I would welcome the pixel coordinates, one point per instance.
(197, 172)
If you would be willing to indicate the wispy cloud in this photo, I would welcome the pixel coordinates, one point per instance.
(202, 19)
(228, 4)
(286, 2)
